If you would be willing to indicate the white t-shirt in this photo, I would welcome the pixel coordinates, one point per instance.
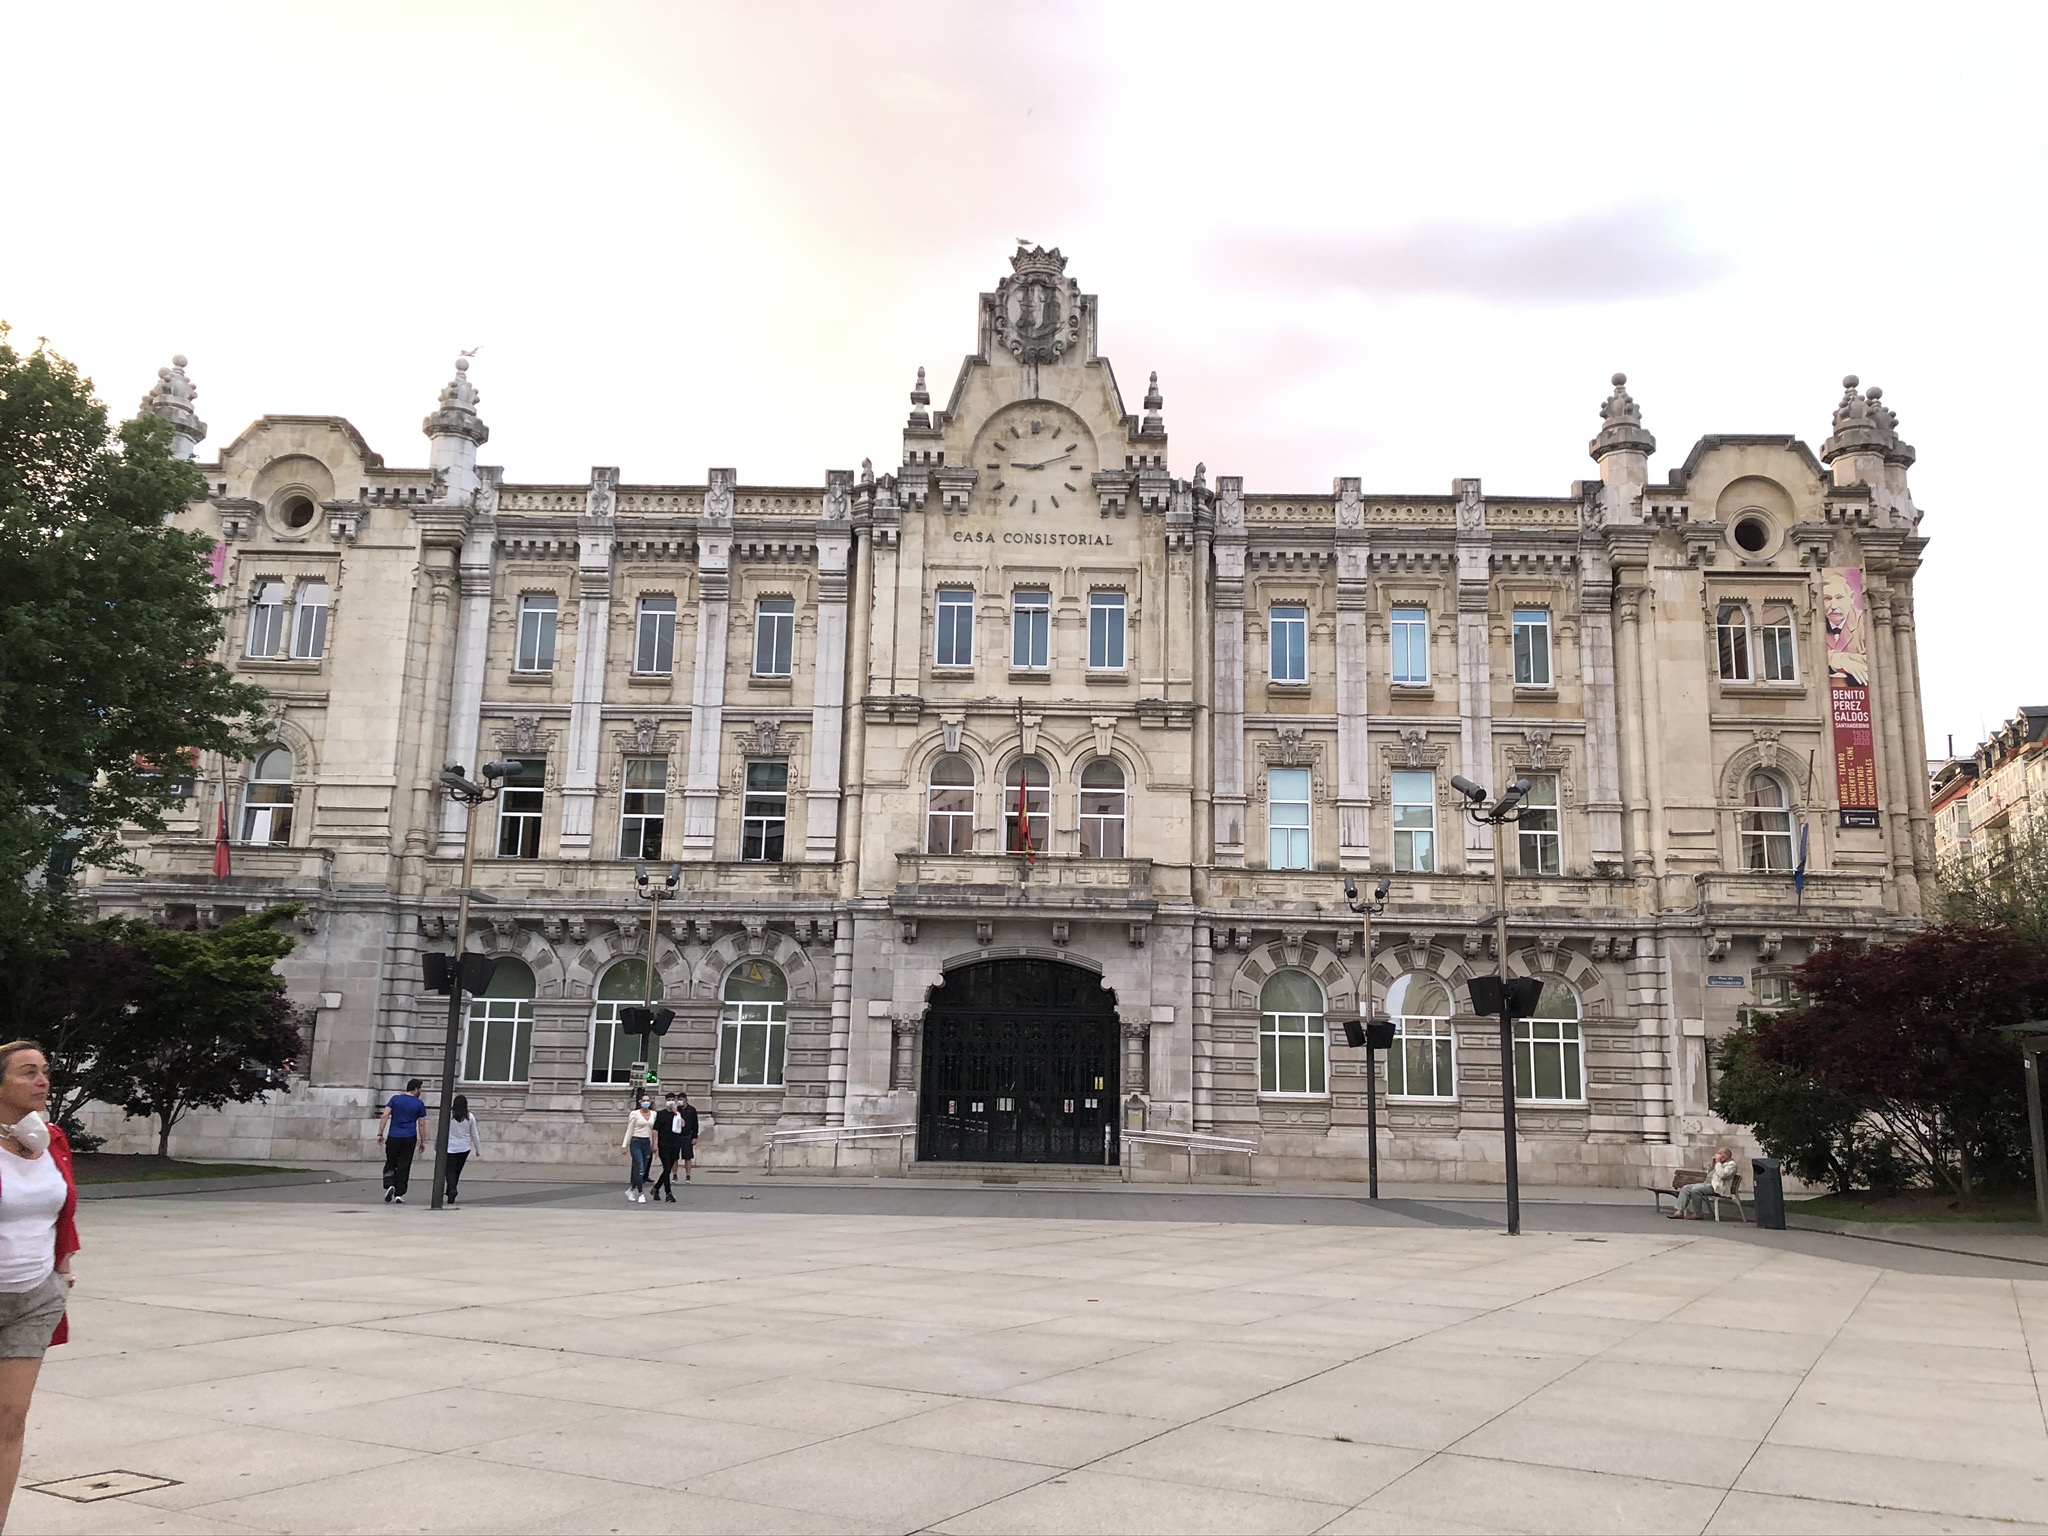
(31, 1194)
(462, 1135)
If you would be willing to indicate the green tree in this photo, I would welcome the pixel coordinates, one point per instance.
(107, 620)
(1821, 1136)
(75, 997)
(2006, 889)
(215, 1028)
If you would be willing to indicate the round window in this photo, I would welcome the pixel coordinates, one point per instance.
(1753, 534)
(297, 511)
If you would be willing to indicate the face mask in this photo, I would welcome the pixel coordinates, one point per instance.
(30, 1132)
(644, 1104)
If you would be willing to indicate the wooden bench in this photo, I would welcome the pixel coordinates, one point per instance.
(1685, 1176)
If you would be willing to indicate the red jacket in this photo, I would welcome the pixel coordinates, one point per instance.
(67, 1218)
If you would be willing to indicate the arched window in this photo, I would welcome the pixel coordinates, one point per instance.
(1766, 823)
(1549, 1055)
(949, 807)
(1423, 1062)
(1293, 1040)
(1775, 639)
(753, 1022)
(1102, 810)
(1027, 806)
(612, 1050)
(267, 799)
(499, 1040)
(1731, 634)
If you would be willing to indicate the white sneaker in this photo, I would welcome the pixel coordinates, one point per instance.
(629, 1194)
(643, 1197)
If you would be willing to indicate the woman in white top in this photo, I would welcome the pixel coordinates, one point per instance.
(37, 1238)
(639, 1142)
(463, 1138)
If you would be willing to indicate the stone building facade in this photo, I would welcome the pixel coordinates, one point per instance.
(1981, 802)
(1010, 791)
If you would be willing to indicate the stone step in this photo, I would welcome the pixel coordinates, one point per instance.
(1018, 1173)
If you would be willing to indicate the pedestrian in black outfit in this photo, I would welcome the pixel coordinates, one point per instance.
(668, 1141)
(398, 1128)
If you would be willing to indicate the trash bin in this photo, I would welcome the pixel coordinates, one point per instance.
(1767, 1187)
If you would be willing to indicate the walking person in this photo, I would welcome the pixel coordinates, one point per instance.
(398, 1132)
(639, 1143)
(463, 1139)
(668, 1141)
(686, 1114)
(38, 1236)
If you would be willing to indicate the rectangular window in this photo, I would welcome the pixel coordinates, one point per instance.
(1105, 631)
(536, 648)
(1287, 801)
(643, 807)
(266, 814)
(751, 1039)
(1411, 646)
(765, 814)
(1030, 631)
(1290, 644)
(519, 810)
(1532, 648)
(954, 644)
(266, 620)
(654, 641)
(1731, 639)
(1774, 640)
(309, 621)
(1547, 1061)
(1293, 1053)
(1423, 1061)
(1414, 800)
(1538, 840)
(774, 636)
(499, 1040)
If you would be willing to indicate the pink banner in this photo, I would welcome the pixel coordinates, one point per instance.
(1849, 695)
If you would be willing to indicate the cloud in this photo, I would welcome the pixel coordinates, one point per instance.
(1633, 252)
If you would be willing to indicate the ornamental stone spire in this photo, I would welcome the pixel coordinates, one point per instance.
(456, 432)
(1865, 449)
(1153, 425)
(171, 398)
(1622, 450)
(920, 405)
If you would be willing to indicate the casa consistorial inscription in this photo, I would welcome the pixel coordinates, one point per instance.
(1014, 536)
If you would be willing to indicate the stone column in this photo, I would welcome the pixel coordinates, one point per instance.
(1603, 727)
(475, 579)
(1897, 758)
(1229, 695)
(828, 675)
(1137, 1034)
(903, 1029)
(595, 538)
(1354, 771)
(1475, 668)
(1629, 706)
(707, 689)
(1919, 792)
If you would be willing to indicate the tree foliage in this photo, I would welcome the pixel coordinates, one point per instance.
(73, 996)
(1819, 1134)
(107, 619)
(2008, 889)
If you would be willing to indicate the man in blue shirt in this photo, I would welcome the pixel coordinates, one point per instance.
(399, 1132)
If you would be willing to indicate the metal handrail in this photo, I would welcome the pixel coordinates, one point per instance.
(1191, 1142)
(837, 1136)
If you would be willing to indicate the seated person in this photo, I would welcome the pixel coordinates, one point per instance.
(1720, 1182)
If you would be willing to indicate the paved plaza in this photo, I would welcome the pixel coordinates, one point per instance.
(791, 1358)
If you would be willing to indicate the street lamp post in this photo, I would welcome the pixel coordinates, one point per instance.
(654, 894)
(470, 795)
(1508, 808)
(1367, 911)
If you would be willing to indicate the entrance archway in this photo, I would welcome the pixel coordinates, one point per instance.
(1020, 1066)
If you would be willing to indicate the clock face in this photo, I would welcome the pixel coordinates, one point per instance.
(1034, 460)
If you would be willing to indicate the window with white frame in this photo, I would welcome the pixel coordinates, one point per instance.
(643, 807)
(1731, 642)
(1105, 631)
(519, 810)
(267, 799)
(497, 1045)
(1294, 1042)
(954, 643)
(774, 636)
(753, 1023)
(1539, 840)
(1532, 648)
(1287, 818)
(1410, 631)
(949, 808)
(1766, 827)
(1774, 994)
(1027, 806)
(266, 621)
(1549, 1053)
(1423, 1061)
(654, 637)
(1289, 627)
(309, 621)
(1775, 644)
(1414, 808)
(1102, 810)
(764, 817)
(612, 1049)
(1031, 630)
(535, 651)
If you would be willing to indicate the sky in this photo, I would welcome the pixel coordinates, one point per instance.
(1406, 243)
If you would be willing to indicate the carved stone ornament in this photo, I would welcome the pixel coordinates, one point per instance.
(984, 932)
(1291, 940)
(757, 933)
(1230, 501)
(1291, 749)
(1718, 945)
(838, 495)
(1539, 748)
(767, 740)
(1471, 508)
(525, 733)
(718, 495)
(1059, 935)
(1037, 306)
(904, 1026)
(1350, 506)
(602, 497)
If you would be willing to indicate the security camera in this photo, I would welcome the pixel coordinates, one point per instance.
(1380, 891)
(503, 770)
(1465, 787)
(1350, 889)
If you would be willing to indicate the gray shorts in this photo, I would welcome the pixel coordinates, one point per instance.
(28, 1318)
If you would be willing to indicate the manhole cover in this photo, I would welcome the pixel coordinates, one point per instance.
(95, 1486)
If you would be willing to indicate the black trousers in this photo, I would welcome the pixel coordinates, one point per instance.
(455, 1162)
(666, 1184)
(398, 1151)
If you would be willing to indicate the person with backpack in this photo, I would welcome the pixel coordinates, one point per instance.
(398, 1132)
(464, 1137)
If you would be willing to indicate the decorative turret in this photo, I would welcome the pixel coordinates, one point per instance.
(1865, 449)
(1622, 450)
(172, 398)
(456, 432)
(1153, 425)
(920, 403)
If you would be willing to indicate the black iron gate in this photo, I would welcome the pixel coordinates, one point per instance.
(1020, 1066)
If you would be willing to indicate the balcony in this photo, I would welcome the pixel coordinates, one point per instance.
(932, 883)
(190, 860)
(600, 880)
(1826, 896)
